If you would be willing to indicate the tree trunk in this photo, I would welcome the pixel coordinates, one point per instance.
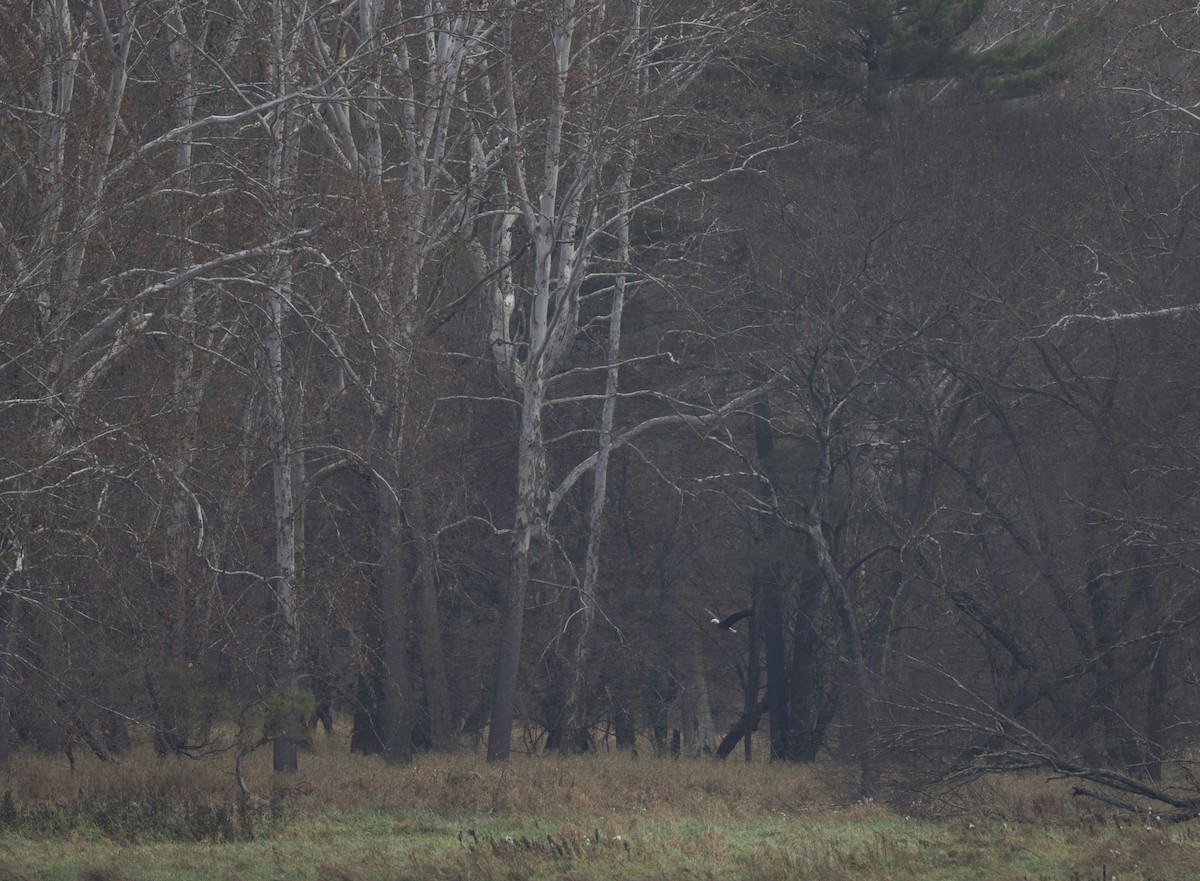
(433, 661)
(550, 333)
(699, 732)
(776, 658)
(283, 588)
(512, 616)
(863, 719)
(9, 610)
(769, 588)
(752, 708)
(591, 568)
(395, 717)
(289, 724)
(810, 708)
(742, 731)
(364, 732)
(1156, 698)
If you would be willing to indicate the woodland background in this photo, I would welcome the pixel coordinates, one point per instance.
(447, 367)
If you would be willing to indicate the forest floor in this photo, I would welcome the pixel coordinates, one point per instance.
(605, 816)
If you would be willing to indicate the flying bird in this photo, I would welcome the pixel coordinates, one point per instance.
(727, 624)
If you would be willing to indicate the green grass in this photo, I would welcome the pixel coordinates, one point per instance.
(365, 845)
(597, 817)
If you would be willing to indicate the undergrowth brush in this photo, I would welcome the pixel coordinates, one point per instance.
(330, 778)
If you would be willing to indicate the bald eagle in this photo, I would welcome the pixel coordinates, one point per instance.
(727, 624)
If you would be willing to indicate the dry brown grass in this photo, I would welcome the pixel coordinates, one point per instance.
(549, 786)
(35, 779)
(446, 785)
(1026, 798)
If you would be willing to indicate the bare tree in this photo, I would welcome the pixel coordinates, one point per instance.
(80, 294)
(569, 180)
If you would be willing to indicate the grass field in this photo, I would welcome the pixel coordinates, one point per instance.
(607, 816)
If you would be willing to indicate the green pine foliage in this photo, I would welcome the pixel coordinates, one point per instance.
(879, 45)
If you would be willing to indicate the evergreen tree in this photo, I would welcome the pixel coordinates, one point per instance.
(872, 46)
